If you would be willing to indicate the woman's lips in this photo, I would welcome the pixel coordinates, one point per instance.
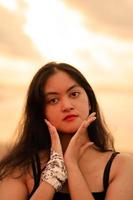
(70, 117)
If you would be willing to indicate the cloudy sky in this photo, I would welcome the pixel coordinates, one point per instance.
(95, 36)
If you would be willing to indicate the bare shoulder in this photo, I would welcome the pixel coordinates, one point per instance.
(123, 163)
(13, 187)
(124, 159)
(121, 181)
(11, 182)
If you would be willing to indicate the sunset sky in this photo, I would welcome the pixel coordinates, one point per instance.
(95, 36)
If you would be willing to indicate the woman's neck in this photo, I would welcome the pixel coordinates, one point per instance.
(65, 139)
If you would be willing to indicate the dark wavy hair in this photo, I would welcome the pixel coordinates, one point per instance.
(34, 135)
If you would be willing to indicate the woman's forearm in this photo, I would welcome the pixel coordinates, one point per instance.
(77, 184)
(44, 192)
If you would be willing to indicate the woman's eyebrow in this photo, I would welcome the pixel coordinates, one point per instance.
(51, 93)
(56, 93)
(73, 86)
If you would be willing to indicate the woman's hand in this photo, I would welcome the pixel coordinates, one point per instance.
(55, 172)
(55, 140)
(79, 142)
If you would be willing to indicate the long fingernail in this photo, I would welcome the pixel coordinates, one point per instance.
(91, 143)
(92, 114)
(93, 118)
(47, 122)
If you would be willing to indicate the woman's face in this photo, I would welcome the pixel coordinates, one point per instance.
(67, 103)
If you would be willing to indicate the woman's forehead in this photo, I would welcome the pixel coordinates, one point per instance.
(59, 80)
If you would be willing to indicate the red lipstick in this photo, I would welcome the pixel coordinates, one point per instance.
(70, 117)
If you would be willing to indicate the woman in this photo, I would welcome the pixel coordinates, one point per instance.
(64, 149)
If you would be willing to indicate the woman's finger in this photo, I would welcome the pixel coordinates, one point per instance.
(90, 119)
(55, 140)
(86, 123)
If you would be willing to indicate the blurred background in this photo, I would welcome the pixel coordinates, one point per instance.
(94, 36)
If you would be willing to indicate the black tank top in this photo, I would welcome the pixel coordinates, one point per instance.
(66, 196)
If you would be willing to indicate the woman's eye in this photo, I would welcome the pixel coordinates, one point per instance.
(53, 101)
(75, 94)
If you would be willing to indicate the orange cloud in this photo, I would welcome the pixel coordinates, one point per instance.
(110, 17)
(13, 41)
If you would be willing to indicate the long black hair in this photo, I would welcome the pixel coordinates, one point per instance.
(33, 133)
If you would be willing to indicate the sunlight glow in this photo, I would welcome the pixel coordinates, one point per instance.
(54, 29)
(59, 34)
(9, 4)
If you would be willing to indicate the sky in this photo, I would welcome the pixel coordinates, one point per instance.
(94, 36)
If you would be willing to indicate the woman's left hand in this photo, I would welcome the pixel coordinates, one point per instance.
(79, 142)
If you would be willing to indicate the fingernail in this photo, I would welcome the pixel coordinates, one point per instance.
(93, 118)
(91, 143)
(47, 122)
(92, 114)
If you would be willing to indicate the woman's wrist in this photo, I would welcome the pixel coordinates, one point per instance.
(71, 165)
(55, 171)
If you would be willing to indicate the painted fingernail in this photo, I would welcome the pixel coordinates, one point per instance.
(93, 118)
(47, 122)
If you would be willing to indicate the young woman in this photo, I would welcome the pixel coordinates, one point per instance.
(64, 150)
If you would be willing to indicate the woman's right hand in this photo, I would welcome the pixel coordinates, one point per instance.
(55, 172)
(55, 140)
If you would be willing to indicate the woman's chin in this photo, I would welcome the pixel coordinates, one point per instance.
(68, 131)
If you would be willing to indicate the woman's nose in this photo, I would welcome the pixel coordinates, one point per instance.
(66, 105)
